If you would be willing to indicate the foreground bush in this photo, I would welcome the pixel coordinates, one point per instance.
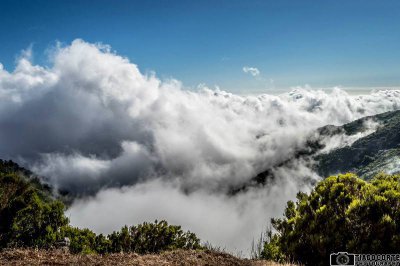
(143, 238)
(152, 238)
(342, 213)
(31, 217)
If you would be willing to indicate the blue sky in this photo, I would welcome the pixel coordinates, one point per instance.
(320, 43)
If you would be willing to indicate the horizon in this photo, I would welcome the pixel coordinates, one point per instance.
(234, 45)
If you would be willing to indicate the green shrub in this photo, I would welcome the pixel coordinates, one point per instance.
(143, 238)
(81, 240)
(342, 213)
(29, 217)
(152, 238)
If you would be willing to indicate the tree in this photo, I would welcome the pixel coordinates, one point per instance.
(29, 216)
(159, 236)
(121, 241)
(342, 213)
(152, 238)
(81, 240)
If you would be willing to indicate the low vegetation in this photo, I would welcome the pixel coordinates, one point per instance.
(31, 217)
(342, 213)
(142, 239)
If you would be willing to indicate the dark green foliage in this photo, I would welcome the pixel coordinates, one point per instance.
(102, 244)
(29, 217)
(272, 250)
(81, 240)
(9, 167)
(120, 240)
(143, 238)
(342, 213)
(159, 236)
(152, 238)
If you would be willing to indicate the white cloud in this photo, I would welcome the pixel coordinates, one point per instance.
(251, 70)
(225, 221)
(93, 123)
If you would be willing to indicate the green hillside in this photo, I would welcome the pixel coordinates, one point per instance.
(379, 151)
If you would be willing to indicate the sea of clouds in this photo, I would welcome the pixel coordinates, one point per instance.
(135, 148)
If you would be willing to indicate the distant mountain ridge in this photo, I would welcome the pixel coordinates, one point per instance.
(366, 156)
(376, 152)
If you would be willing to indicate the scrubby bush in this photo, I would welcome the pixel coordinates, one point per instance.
(81, 240)
(152, 238)
(143, 238)
(342, 213)
(29, 217)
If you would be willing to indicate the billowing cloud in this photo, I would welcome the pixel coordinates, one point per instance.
(139, 148)
(226, 221)
(252, 71)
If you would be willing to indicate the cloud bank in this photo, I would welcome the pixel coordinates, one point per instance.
(137, 148)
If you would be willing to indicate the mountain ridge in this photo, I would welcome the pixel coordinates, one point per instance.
(375, 152)
(365, 154)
